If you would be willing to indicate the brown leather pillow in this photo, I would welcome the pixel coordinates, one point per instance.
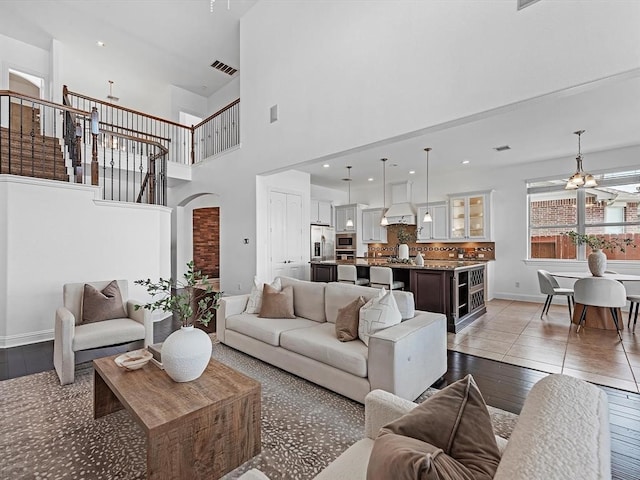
(455, 420)
(277, 304)
(102, 305)
(347, 320)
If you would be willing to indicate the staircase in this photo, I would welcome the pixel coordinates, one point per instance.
(24, 151)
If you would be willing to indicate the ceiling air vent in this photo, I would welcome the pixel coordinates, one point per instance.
(502, 148)
(525, 3)
(223, 67)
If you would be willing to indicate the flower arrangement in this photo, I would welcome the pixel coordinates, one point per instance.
(184, 298)
(599, 242)
(405, 236)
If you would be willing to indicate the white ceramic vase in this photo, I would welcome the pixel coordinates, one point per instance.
(597, 262)
(419, 260)
(403, 251)
(186, 353)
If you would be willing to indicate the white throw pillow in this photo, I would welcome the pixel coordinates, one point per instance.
(377, 314)
(255, 297)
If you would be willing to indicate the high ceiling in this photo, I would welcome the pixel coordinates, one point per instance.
(177, 40)
(538, 129)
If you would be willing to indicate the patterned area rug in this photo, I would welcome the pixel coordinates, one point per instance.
(48, 430)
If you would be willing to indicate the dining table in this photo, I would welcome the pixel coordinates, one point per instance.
(597, 317)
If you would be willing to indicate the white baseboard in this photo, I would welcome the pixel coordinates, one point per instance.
(26, 338)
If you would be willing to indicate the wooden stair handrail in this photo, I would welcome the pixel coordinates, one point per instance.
(222, 110)
(136, 139)
(41, 101)
(108, 104)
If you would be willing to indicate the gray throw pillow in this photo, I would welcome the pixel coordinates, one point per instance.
(277, 304)
(102, 305)
(456, 421)
(347, 320)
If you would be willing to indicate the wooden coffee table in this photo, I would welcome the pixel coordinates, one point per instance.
(199, 429)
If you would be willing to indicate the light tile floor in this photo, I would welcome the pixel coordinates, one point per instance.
(512, 332)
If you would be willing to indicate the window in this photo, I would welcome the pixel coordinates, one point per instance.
(610, 210)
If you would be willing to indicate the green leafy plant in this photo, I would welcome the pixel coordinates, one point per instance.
(190, 300)
(600, 242)
(405, 236)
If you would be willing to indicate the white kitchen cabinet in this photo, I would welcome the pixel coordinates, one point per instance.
(343, 213)
(438, 228)
(321, 212)
(470, 216)
(372, 231)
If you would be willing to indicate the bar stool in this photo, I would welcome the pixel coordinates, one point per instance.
(600, 292)
(382, 277)
(349, 274)
(635, 301)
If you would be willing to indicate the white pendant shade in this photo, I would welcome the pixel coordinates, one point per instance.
(384, 222)
(349, 222)
(427, 218)
(580, 179)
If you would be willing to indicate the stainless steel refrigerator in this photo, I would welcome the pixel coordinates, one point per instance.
(323, 243)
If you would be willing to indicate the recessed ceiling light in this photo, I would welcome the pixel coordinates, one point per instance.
(465, 162)
(502, 148)
(326, 165)
(370, 179)
(411, 172)
(99, 43)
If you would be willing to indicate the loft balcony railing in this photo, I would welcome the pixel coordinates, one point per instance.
(43, 139)
(86, 140)
(187, 145)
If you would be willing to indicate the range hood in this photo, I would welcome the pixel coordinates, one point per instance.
(401, 209)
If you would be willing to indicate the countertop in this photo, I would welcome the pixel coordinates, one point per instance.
(384, 262)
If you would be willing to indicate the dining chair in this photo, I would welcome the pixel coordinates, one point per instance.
(382, 277)
(349, 274)
(550, 287)
(600, 292)
(635, 302)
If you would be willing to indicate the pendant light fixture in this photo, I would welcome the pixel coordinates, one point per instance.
(348, 179)
(384, 222)
(427, 216)
(580, 179)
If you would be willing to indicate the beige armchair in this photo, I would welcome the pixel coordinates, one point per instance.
(71, 336)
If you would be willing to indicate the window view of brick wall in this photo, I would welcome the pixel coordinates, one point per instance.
(206, 240)
(548, 242)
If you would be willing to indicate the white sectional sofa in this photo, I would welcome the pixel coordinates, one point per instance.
(404, 359)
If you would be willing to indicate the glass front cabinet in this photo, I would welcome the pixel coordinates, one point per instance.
(470, 216)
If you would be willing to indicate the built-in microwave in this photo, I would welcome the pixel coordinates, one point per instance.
(345, 241)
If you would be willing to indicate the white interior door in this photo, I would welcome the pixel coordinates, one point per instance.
(285, 235)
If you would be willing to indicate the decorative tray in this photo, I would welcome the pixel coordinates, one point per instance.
(133, 360)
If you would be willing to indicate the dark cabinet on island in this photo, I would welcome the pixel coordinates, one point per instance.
(457, 289)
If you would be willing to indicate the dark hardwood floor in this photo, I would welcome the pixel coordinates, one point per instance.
(503, 386)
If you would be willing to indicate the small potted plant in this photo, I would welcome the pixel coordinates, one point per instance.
(597, 260)
(186, 352)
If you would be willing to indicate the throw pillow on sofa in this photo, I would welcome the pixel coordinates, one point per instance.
(377, 314)
(255, 297)
(348, 319)
(448, 436)
(102, 305)
(277, 304)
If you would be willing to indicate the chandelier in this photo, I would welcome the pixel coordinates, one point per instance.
(580, 179)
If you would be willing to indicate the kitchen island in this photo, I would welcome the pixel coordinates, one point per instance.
(455, 288)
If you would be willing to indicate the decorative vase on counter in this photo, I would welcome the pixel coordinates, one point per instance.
(403, 251)
(419, 260)
(186, 353)
(597, 262)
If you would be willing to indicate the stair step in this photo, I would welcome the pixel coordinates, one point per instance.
(59, 174)
(17, 139)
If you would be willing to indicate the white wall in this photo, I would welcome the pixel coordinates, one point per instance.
(185, 101)
(21, 56)
(346, 74)
(223, 97)
(57, 233)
